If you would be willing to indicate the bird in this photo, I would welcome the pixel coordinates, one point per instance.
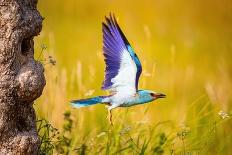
(122, 72)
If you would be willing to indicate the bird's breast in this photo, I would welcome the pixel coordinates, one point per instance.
(133, 100)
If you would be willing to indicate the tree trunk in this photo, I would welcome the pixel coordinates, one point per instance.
(21, 77)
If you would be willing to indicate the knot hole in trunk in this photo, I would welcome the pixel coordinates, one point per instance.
(26, 46)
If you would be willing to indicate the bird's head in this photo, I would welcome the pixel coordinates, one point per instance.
(150, 95)
(155, 95)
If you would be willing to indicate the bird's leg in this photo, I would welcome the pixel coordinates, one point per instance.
(110, 117)
(110, 108)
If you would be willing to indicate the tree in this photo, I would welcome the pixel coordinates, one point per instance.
(21, 77)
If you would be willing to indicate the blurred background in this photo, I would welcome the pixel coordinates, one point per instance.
(186, 51)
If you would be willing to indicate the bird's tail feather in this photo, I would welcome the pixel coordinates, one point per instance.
(87, 102)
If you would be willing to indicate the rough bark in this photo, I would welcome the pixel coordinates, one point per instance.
(21, 77)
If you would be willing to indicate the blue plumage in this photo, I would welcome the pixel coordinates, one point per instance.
(113, 47)
(87, 102)
(122, 72)
(138, 65)
(114, 44)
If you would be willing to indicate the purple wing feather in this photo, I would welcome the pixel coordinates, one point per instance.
(114, 43)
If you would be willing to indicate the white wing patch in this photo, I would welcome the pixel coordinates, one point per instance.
(124, 82)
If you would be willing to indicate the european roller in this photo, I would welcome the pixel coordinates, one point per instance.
(122, 72)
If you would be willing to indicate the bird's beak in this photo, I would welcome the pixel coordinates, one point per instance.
(160, 95)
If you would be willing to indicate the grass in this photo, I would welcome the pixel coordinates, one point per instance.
(185, 54)
(197, 128)
(160, 138)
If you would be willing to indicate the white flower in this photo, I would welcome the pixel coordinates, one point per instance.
(223, 114)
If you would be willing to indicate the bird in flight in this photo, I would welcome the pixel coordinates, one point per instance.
(122, 72)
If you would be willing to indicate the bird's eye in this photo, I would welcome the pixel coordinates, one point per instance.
(152, 94)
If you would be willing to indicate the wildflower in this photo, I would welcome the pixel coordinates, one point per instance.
(184, 131)
(51, 60)
(125, 130)
(43, 46)
(223, 114)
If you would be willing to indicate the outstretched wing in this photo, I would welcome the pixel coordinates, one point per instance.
(123, 67)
